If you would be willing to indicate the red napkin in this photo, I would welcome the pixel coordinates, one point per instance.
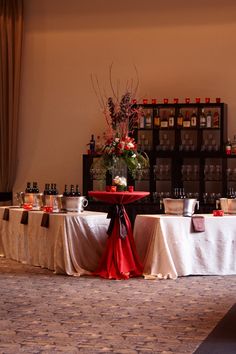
(198, 223)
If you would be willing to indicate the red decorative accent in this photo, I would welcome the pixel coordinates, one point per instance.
(145, 101)
(176, 100)
(187, 100)
(218, 99)
(154, 101)
(207, 100)
(218, 213)
(165, 100)
(113, 189)
(120, 259)
(198, 100)
(27, 206)
(131, 189)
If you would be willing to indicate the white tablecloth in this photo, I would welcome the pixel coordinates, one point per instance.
(73, 243)
(168, 248)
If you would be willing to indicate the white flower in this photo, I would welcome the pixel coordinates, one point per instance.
(130, 145)
(120, 181)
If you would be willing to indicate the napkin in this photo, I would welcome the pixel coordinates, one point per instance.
(45, 220)
(198, 223)
(24, 217)
(6, 214)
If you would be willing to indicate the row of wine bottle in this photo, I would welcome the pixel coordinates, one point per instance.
(51, 189)
(183, 120)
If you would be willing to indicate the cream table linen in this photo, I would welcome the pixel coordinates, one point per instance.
(168, 247)
(72, 244)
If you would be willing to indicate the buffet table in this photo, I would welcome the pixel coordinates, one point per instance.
(71, 243)
(169, 248)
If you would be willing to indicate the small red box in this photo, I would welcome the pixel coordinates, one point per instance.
(218, 212)
(130, 189)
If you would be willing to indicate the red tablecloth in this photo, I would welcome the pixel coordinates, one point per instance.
(120, 259)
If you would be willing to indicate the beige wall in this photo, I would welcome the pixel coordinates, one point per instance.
(181, 49)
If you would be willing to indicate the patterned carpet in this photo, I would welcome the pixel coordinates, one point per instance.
(41, 312)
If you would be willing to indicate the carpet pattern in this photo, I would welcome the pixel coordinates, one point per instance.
(41, 312)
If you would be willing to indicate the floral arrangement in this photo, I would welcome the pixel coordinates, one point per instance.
(121, 116)
(120, 182)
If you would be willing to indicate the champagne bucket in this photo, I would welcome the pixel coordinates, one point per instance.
(53, 201)
(184, 207)
(34, 199)
(76, 204)
(189, 206)
(228, 205)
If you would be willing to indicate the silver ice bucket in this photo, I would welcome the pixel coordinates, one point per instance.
(185, 207)
(53, 201)
(228, 205)
(76, 204)
(34, 199)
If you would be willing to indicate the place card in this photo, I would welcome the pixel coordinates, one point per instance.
(24, 217)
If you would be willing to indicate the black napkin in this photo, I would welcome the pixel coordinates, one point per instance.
(6, 214)
(45, 220)
(24, 217)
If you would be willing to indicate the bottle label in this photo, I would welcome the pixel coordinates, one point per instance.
(171, 121)
(186, 124)
(193, 121)
(164, 124)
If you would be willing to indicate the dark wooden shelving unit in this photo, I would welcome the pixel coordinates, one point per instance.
(175, 158)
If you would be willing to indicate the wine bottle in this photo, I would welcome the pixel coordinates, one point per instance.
(233, 146)
(171, 119)
(66, 192)
(35, 187)
(202, 119)
(180, 120)
(148, 119)
(77, 192)
(156, 119)
(164, 120)
(92, 144)
(216, 120)
(45, 192)
(209, 119)
(72, 191)
(28, 188)
(228, 147)
(186, 120)
(193, 119)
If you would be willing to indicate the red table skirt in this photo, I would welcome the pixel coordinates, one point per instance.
(120, 259)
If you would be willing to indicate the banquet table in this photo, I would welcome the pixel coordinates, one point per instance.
(71, 244)
(120, 259)
(168, 246)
